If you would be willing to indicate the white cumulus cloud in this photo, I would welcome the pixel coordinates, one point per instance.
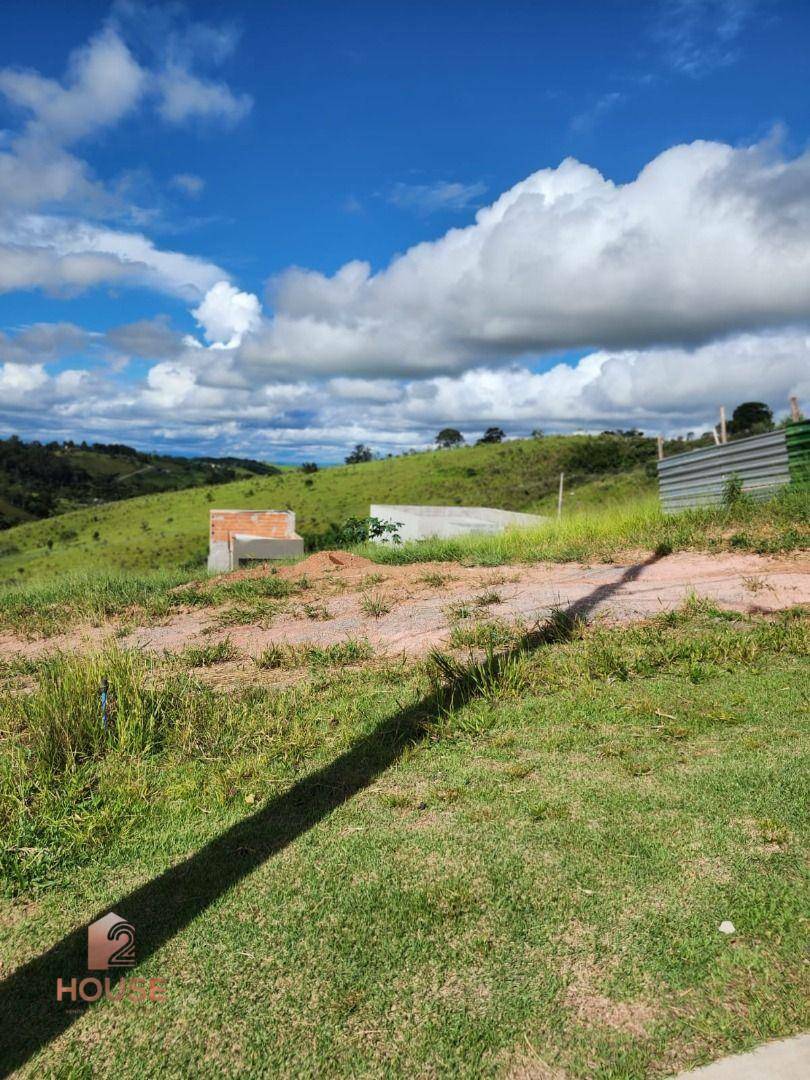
(104, 82)
(226, 314)
(40, 267)
(195, 398)
(655, 389)
(42, 342)
(102, 85)
(18, 380)
(707, 240)
(51, 202)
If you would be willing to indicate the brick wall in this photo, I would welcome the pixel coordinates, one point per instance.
(274, 524)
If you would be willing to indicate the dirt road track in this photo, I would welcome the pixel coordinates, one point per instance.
(422, 597)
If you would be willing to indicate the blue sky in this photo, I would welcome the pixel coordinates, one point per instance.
(324, 137)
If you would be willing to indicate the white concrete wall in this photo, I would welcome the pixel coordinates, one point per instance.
(422, 522)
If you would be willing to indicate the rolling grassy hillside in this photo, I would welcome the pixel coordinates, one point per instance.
(42, 480)
(171, 529)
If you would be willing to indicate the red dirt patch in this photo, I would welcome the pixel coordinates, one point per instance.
(418, 600)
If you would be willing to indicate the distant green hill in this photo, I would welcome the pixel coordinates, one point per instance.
(39, 480)
(171, 529)
(11, 514)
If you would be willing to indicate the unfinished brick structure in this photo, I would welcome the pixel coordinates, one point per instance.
(251, 534)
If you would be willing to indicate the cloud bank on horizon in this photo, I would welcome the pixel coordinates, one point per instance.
(688, 284)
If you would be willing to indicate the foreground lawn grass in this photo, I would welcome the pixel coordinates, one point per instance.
(537, 880)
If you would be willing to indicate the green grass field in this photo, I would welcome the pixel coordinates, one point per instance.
(171, 529)
(465, 867)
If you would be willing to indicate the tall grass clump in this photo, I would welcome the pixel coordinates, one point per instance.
(61, 722)
(68, 783)
(71, 785)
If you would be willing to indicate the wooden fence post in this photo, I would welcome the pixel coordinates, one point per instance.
(723, 436)
(560, 495)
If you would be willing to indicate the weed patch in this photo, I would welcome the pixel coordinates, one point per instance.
(436, 578)
(339, 654)
(219, 652)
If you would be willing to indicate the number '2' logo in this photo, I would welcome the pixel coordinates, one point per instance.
(110, 943)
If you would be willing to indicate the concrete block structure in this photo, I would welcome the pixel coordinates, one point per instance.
(251, 534)
(423, 522)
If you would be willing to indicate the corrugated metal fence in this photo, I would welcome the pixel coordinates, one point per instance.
(764, 463)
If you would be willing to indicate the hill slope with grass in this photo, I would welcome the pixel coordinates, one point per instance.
(171, 529)
(42, 480)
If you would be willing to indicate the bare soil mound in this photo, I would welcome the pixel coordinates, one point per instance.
(326, 562)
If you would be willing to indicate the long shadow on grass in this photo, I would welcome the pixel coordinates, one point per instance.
(30, 1016)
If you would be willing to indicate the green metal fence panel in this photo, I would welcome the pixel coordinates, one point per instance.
(797, 437)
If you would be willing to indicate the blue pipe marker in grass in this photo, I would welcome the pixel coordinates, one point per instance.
(103, 693)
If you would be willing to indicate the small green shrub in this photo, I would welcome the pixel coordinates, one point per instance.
(732, 490)
(275, 656)
(435, 578)
(488, 598)
(355, 530)
(317, 612)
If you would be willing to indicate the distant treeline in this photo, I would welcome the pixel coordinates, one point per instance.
(40, 479)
